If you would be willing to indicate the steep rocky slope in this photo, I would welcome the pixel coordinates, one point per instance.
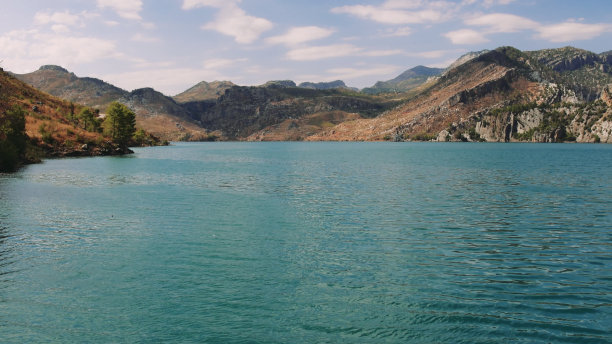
(501, 95)
(163, 117)
(242, 111)
(61, 83)
(155, 112)
(551, 95)
(51, 125)
(204, 91)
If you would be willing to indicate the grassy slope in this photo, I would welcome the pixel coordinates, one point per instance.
(49, 128)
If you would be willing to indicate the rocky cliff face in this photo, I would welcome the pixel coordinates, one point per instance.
(502, 95)
(162, 116)
(242, 111)
(582, 71)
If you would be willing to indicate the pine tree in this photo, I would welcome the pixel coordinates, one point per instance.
(120, 124)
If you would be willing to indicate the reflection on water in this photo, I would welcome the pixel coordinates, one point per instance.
(311, 242)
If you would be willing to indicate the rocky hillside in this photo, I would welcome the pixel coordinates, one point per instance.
(406, 81)
(34, 124)
(325, 85)
(163, 117)
(501, 95)
(155, 113)
(61, 83)
(204, 91)
(552, 95)
(243, 111)
(585, 72)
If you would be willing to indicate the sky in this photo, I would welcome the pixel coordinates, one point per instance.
(171, 45)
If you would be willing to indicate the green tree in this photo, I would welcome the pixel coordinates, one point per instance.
(88, 120)
(13, 139)
(120, 124)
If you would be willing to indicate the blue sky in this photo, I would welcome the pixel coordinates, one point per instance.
(171, 45)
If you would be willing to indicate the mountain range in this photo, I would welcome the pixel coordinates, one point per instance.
(505, 94)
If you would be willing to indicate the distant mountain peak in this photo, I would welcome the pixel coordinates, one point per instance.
(324, 85)
(280, 83)
(406, 81)
(54, 68)
(204, 91)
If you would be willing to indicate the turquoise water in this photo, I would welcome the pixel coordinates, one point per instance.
(311, 243)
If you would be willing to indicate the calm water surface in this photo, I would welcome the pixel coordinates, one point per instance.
(311, 243)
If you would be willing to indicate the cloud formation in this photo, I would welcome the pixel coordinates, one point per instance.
(572, 31)
(502, 22)
(298, 35)
(127, 9)
(509, 23)
(231, 20)
(396, 12)
(26, 50)
(466, 36)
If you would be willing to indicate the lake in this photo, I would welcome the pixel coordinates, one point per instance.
(311, 243)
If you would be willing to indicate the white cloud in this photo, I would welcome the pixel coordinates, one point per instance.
(489, 3)
(191, 4)
(572, 31)
(231, 20)
(398, 32)
(139, 37)
(502, 22)
(213, 64)
(61, 22)
(111, 23)
(390, 16)
(297, 35)
(63, 18)
(322, 52)
(128, 9)
(510, 23)
(401, 11)
(26, 50)
(466, 36)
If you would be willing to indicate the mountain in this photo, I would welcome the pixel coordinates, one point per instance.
(242, 111)
(466, 57)
(324, 85)
(585, 72)
(155, 113)
(279, 83)
(34, 124)
(163, 117)
(551, 95)
(204, 91)
(61, 83)
(500, 95)
(406, 81)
